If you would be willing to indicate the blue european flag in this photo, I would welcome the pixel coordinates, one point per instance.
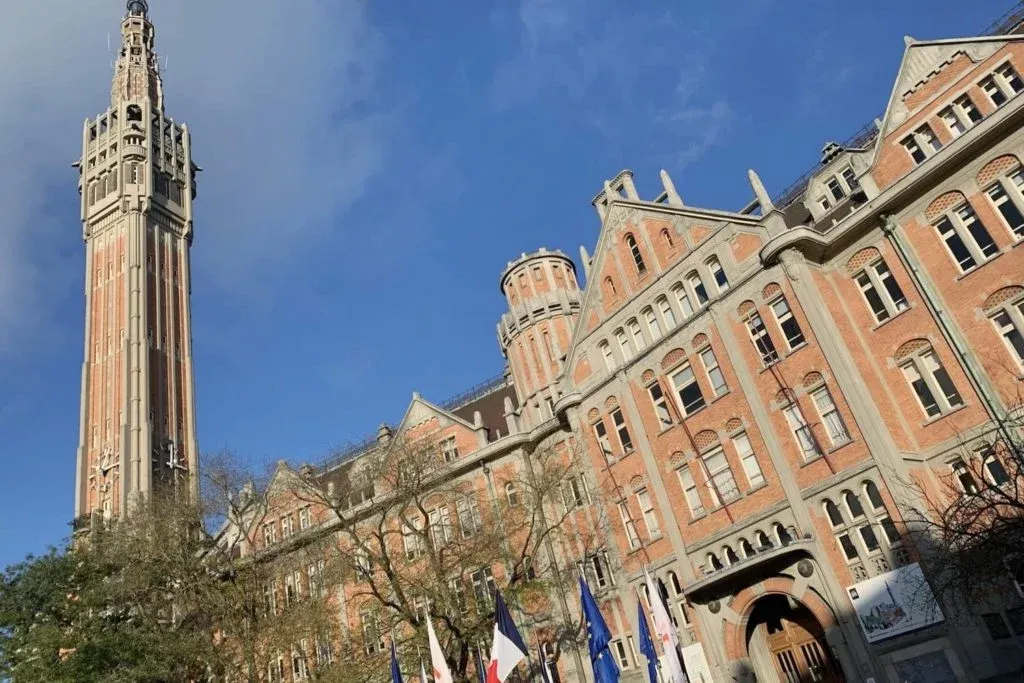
(599, 637)
(647, 643)
(396, 673)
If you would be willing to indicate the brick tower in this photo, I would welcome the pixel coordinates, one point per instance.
(543, 297)
(137, 183)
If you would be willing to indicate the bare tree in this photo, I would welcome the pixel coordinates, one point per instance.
(414, 533)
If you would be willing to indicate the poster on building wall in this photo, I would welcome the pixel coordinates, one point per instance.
(893, 603)
(697, 669)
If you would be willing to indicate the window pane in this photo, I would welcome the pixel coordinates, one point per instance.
(871, 295)
(715, 375)
(746, 454)
(622, 431)
(660, 405)
(690, 490)
(723, 485)
(667, 312)
(1010, 334)
(996, 472)
(956, 245)
(787, 323)
(921, 389)
(690, 397)
(652, 323)
(762, 341)
(835, 516)
(849, 549)
(684, 300)
(892, 534)
(874, 496)
(1008, 209)
(977, 231)
(892, 288)
(867, 534)
(698, 288)
(853, 505)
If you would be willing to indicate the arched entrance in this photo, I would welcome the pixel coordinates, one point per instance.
(786, 642)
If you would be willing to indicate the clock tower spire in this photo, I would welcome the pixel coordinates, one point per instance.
(137, 185)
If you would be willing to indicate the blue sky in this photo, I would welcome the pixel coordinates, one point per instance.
(369, 170)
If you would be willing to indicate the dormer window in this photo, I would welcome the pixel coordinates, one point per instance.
(835, 188)
(851, 179)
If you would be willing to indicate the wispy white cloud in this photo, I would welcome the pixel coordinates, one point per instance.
(638, 70)
(289, 119)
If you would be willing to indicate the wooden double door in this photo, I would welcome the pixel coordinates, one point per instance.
(797, 646)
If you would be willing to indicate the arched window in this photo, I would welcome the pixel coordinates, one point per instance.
(606, 353)
(874, 496)
(966, 238)
(700, 292)
(718, 273)
(785, 538)
(666, 236)
(853, 504)
(634, 250)
(512, 494)
(746, 548)
(835, 516)
(730, 555)
(928, 378)
(609, 286)
(1005, 309)
(713, 563)
(683, 299)
(762, 540)
(653, 326)
(674, 585)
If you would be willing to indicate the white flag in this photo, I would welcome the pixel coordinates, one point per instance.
(442, 674)
(666, 632)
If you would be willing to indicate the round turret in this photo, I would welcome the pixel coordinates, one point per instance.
(543, 298)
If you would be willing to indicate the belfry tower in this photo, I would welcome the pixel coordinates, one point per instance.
(137, 183)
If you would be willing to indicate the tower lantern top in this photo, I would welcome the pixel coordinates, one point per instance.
(138, 8)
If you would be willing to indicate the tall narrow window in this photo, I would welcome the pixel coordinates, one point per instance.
(964, 477)
(634, 250)
(761, 339)
(653, 326)
(575, 493)
(1010, 77)
(745, 452)
(440, 526)
(720, 480)
(966, 238)
(660, 403)
(913, 149)
(683, 299)
(801, 431)
(718, 273)
(851, 179)
(1009, 323)
(715, 376)
(830, 417)
(689, 487)
(606, 353)
(625, 345)
(835, 188)
(787, 323)
(603, 442)
(1006, 196)
(637, 334)
(931, 383)
(687, 390)
(449, 450)
(647, 510)
(667, 314)
(470, 521)
(622, 431)
(627, 522)
(700, 292)
(993, 467)
(953, 123)
(881, 291)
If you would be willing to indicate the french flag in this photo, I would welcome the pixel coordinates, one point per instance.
(508, 648)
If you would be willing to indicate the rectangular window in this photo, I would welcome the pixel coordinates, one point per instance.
(745, 452)
(595, 569)
(287, 528)
(688, 390)
(995, 472)
(762, 340)
(440, 526)
(1009, 323)
(867, 535)
(977, 231)
(627, 522)
(606, 353)
(849, 549)
(993, 90)
(470, 521)
(660, 404)
(373, 639)
(269, 533)
(930, 141)
(787, 323)
(411, 539)
(1008, 205)
(714, 372)
(883, 294)
(603, 441)
(892, 534)
(851, 179)
(952, 120)
(647, 510)
(690, 491)
(835, 188)
(575, 493)
(720, 480)
(913, 149)
(801, 431)
(652, 323)
(621, 655)
(449, 450)
(932, 384)
(625, 346)
(1009, 76)
(830, 417)
(305, 517)
(270, 597)
(622, 431)
(484, 588)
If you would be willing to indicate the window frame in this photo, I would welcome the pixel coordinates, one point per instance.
(610, 362)
(1011, 185)
(758, 333)
(953, 229)
(800, 428)
(719, 496)
(604, 442)
(878, 274)
(649, 514)
(638, 257)
(660, 403)
(622, 430)
(653, 323)
(625, 344)
(798, 339)
(718, 274)
(695, 284)
(666, 312)
(1012, 331)
(637, 335)
(747, 455)
(917, 363)
(837, 439)
(695, 406)
(629, 526)
(710, 369)
(683, 300)
(689, 485)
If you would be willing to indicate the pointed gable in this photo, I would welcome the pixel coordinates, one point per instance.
(426, 420)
